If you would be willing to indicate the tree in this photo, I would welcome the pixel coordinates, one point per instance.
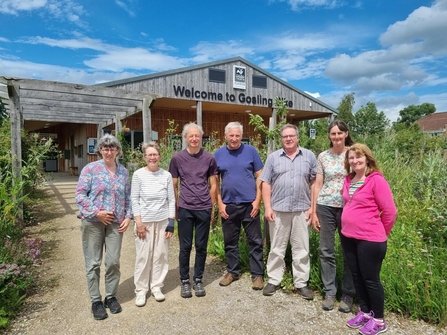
(345, 109)
(368, 121)
(3, 111)
(412, 113)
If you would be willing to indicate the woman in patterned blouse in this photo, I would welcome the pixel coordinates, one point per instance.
(103, 199)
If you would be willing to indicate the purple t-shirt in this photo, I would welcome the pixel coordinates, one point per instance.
(193, 171)
(236, 169)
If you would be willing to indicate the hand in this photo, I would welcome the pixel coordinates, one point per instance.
(223, 211)
(315, 222)
(255, 209)
(269, 214)
(168, 235)
(123, 225)
(105, 217)
(141, 230)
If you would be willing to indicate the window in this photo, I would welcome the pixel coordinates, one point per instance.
(259, 81)
(216, 75)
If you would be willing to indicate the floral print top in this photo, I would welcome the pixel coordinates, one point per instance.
(99, 190)
(331, 166)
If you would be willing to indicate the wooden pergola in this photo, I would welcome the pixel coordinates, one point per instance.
(36, 102)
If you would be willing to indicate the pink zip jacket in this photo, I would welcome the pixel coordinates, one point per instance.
(370, 213)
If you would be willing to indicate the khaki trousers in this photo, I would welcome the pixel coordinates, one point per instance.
(293, 227)
(151, 262)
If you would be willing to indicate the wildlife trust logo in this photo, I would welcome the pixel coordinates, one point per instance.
(239, 77)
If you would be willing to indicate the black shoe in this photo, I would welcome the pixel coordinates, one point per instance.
(198, 287)
(99, 313)
(112, 304)
(185, 289)
(305, 292)
(270, 289)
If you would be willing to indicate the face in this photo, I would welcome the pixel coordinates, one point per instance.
(151, 157)
(233, 138)
(289, 139)
(109, 154)
(337, 136)
(193, 137)
(358, 163)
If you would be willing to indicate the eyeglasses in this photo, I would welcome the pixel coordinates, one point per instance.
(288, 136)
(151, 155)
(111, 150)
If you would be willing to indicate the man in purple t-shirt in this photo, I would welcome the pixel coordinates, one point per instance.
(239, 198)
(191, 170)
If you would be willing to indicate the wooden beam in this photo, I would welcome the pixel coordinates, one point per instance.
(16, 140)
(98, 91)
(147, 120)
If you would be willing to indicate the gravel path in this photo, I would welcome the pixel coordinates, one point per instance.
(62, 306)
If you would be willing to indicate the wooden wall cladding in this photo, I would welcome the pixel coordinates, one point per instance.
(211, 122)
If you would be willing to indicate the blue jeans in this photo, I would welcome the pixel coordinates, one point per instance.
(239, 215)
(188, 220)
(365, 259)
(330, 221)
(95, 237)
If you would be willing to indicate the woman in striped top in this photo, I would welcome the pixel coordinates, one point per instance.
(153, 205)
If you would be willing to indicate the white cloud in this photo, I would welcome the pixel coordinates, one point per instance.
(25, 69)
(207, 51)
(309, 4)
(125, 7)
(64, 10)
(116, 58)
(15, 6)
(414, 55)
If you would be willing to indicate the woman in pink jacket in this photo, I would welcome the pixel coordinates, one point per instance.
(368, 216)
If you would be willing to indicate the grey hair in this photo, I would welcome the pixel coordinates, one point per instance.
(288, 125)
(189, 125)
(151, 144)
(232, 125)
(108, 141)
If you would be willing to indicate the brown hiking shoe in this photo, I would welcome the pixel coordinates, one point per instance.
(228, 279)
(258, 283)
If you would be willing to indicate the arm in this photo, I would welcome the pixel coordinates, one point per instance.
(213, 193)
(310, 211)
(135, 195)
(128, 206)
(386, 205)
(257, 202)
(171, 209)
(220, 203)
(266, 198)
(315, 190)
(175, 182)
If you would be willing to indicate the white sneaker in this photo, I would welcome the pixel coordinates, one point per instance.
(156, 292)
(140, 300)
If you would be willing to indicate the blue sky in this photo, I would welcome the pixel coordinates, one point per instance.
(390, 52)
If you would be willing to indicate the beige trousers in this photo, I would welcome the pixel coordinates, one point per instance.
(151, 262)
(293, 227)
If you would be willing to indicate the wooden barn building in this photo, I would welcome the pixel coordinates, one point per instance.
(210, 94)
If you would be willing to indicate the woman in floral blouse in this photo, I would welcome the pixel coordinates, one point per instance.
(103, 199)
(327, 208)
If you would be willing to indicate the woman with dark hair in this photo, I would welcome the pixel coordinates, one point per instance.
(153, 204)
(368, 217)
(103, 199)
(327, 205)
